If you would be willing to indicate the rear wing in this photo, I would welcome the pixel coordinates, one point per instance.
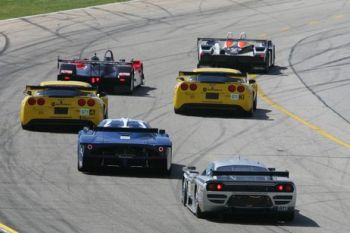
(199, 39)
(30, 88)
(129, 130)
(251, 173)
(93, 62)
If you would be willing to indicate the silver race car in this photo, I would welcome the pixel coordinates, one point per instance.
(239, 186)
(238, 53)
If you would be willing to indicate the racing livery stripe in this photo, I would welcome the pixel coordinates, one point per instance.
(6, 229)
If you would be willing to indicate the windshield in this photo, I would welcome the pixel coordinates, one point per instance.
(214, 78)
(243, 168)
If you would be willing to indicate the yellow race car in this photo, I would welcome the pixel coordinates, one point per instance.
(215, 88)
(64, 103)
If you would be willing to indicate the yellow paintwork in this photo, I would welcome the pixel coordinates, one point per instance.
(93, 114)
(244, 99)
(4, 228)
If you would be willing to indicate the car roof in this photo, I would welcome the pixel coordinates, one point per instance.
(123, 121)
(65, 83)
(238, 162)
(216, 70)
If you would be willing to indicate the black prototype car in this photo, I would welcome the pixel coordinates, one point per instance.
(108, 75)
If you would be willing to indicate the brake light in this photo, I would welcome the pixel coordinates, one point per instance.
(41, 101)
(91, 102)
(284, 188)
(31, 101)
(136, 65)
(81, 102)
(240, 88)
(262, 56)
(89, 147)
(160, 149)
(66, 78)
(231, 88)
(95, 80)
(215, 187)
(193, 86)
(184, 86)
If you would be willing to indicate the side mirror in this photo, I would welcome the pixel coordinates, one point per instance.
(252, 81)
(180, 79)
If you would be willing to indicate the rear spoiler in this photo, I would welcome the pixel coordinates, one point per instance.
(120, 62)
(224, 39)
(251, 173)
(30, 87)
(130, 130)
(189, 73)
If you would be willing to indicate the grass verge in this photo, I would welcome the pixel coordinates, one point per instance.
(18, 8)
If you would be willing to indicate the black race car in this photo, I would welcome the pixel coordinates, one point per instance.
(107, 74)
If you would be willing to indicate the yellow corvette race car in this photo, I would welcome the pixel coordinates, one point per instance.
(63, 103)
(215, 88)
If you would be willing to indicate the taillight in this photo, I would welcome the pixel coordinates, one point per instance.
(81, 102)
(66, 78)
(231, 88)
(136, 65)
(91, 102)
(262, 56)
(161, 149)
(95, 80)
(288, 188)
(193, 86)
(89, 147)
(31, 101)
(215, 187)
(123, 76)
(41, 101)
(184, 86)
(240, 88)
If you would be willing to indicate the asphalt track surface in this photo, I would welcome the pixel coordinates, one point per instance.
(40, 187)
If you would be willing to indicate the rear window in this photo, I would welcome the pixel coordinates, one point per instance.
(62, 92)
(120, 124)
(242, 168)
(214, 78)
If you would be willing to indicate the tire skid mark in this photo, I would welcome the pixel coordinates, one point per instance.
(46, 29)
(290, 57)
(159, 7)
(7, 43)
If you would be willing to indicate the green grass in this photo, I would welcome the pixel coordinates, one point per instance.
(19, 8)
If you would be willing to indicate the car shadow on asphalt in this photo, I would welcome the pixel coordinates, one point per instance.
(59, 129)
(277, 70)
(142, 91)
(259, 114)
(176, 172)
(300, 220)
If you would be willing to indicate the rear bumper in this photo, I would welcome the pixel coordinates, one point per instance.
(238, 62)
(197, 106)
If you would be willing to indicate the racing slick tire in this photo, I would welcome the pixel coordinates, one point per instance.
(255, 103)
(267, 63)
(25, 127)
(142, 78)
(105, 116)
(132, 83)
(184, 193)
(85, 165)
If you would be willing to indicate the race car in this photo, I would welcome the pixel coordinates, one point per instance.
(106, 74)
(242, 53)
(213, 89)
(63, 103)
(124, 143)
(238, 186)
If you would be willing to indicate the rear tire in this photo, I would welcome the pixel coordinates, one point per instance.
(267, 63)
(131, 90)
(255, 103)
(184, 193)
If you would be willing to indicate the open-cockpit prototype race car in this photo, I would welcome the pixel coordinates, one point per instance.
(241, 53)
(107, 74)
(239, 186)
